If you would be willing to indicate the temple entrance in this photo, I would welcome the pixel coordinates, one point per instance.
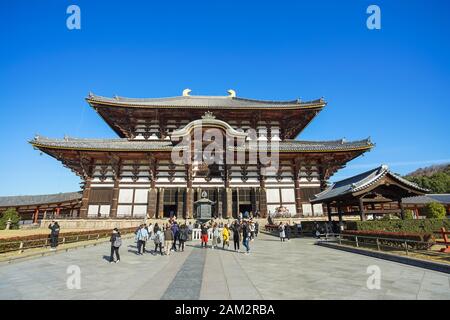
(170, 210)
(245, 209)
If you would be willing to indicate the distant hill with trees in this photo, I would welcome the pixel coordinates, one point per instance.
(436, 178)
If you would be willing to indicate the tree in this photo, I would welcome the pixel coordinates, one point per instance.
(12, 214)
(409, 214)
(435, 210)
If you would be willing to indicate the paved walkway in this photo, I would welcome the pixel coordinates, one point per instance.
(291, 270)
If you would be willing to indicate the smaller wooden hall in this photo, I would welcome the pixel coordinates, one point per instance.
(370, 194)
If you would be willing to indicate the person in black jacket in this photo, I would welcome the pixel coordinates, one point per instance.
(182, 237)
(236, 235)
(54, 233)
(116, 242)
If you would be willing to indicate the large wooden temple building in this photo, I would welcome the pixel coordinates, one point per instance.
(135, 175)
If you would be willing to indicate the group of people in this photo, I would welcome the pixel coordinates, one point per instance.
(245, 230)
(171, 237)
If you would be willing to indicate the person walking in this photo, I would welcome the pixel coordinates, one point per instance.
(251, 227)
(183, 236)
(116, 242)
(246, 236)
(236, 235)
(168, 239)
(281, 231)
(256, 228)
(287, 231)
(215, 236)
(176, 234)
(189, 229)
(204, 233)
(141, 237)
(54, 234)
(158, 239)
(226, 237)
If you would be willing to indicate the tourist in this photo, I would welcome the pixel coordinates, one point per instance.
(150, 231)
(236, 235)
(251, 227)
(256, 228)
(116, 242)
(299, 228)
(215, 236)
(168, 239)
(287, 231)
(148, 237)
(190, 227)
(158, 239)
(182, 237)
(54, 234)
(246, 236)
(240, 217)
(176, 234)
(225, 237)
(281, 231)
(204, 233)
(141, 237)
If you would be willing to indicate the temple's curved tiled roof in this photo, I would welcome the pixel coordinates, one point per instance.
(207, 102)
(15, 201)
(167, 145)
(360, 182)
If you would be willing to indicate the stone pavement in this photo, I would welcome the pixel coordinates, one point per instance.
(297, 269)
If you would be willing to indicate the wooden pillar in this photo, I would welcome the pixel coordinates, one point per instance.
(237, 203)
(58, 211)
(329, 211)
(85, 198)
(298, 200)
(253, 200)
(402, 209)
(229, 203)
(36, 215)
(180, 203)
(362, 214)
(152, 203)
(190, 202)
(219, 204)
(263, 202)
(160, 203)
(115, 199)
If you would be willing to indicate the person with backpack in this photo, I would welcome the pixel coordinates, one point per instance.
(158, 239)
(141, 237)
(182, 237)
(204, 233)
(54, 234)
(116, 242)
(168, 239)
(215, 236)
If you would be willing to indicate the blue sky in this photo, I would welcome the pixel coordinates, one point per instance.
(390, 84)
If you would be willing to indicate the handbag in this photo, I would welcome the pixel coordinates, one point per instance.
(218, 240)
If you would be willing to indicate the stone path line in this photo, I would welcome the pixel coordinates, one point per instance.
(297, 269)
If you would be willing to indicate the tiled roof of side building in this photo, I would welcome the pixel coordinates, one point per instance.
(443, 198)
(13, 201)
(151, 145)
(360, 182)
(213, 102)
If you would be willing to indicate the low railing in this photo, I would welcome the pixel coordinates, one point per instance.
(382, 243)
(44, 242)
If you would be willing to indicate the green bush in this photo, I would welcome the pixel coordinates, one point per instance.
(409, 214)
(416, 226)
(435, 210)
(10, 214)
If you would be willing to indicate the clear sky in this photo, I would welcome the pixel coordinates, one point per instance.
(390, 84)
